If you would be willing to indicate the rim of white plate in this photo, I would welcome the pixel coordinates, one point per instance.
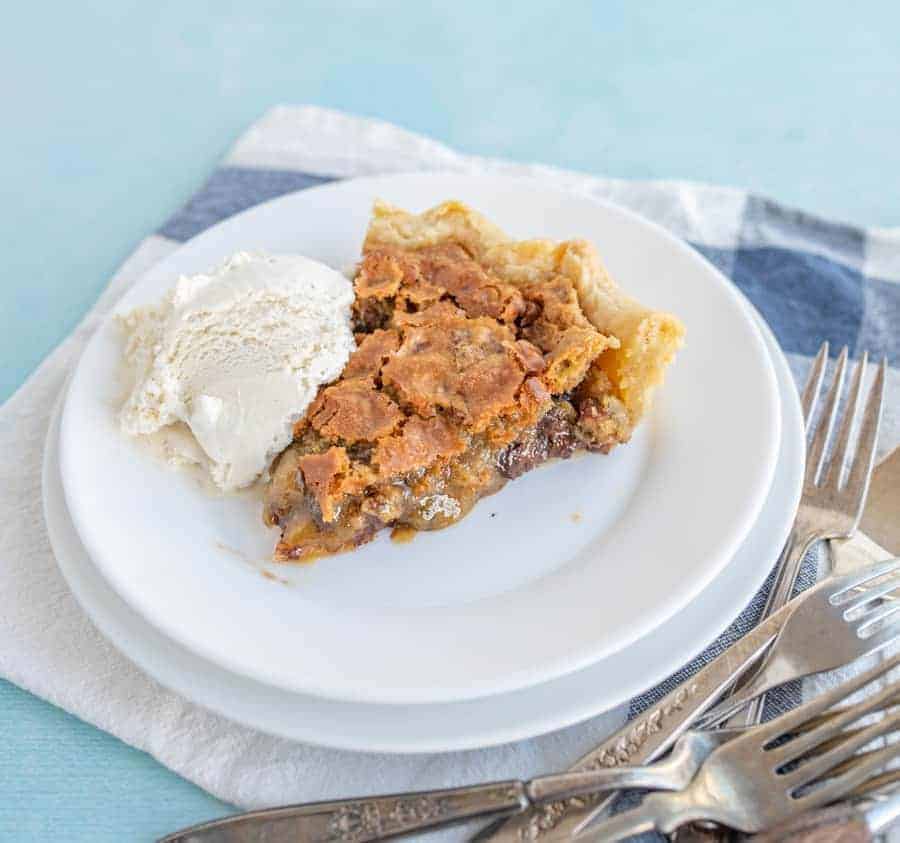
(401, 686)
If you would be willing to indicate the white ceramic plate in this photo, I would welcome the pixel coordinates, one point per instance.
(516, 594)
(441, 727)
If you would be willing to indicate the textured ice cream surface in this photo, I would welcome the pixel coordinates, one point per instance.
(236, 355)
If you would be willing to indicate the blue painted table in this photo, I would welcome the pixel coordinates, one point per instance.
(116, 111)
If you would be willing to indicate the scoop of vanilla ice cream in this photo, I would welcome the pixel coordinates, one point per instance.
(237, 355)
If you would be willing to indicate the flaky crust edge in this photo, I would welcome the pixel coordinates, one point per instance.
(648, 339)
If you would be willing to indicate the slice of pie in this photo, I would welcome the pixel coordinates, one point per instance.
(478, 358)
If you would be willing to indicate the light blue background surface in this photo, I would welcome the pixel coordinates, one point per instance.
(114, 112)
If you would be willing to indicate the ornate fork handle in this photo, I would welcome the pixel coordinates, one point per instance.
(380, 817)
(361, 820)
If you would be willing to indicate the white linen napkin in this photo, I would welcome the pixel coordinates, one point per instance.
(49, 647)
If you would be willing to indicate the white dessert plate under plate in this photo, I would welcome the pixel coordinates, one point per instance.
(563, 567)
(452, 726)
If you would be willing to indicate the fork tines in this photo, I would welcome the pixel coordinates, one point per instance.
(790, 722)
(823, 763)
(845, 588)
(865, 608)
(829, 473)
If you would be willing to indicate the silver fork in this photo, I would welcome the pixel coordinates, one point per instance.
(854, 621)
(831, 506)
(757, 780)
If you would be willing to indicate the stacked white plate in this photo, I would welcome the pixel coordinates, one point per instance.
(576, 587)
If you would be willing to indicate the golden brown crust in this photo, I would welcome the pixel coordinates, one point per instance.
(434, 314)
(322, 474)
(419, 444)
(379, 276)
(452, 271)
(647, 339)
(567, 365)
(469, 367)
(373, 351)
(354, 411)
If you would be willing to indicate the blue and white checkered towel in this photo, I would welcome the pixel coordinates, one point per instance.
(812, 279)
